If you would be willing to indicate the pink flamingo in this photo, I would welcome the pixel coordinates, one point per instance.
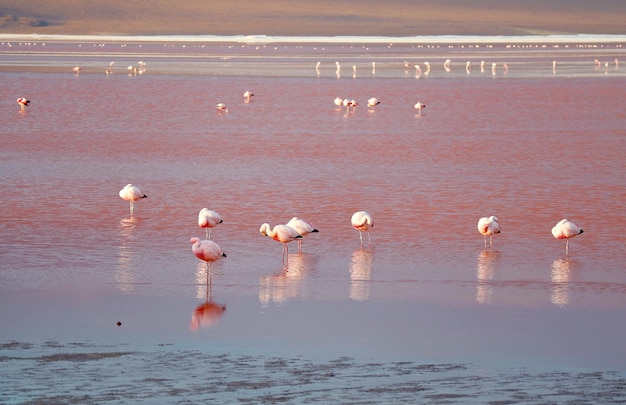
(208, 219)
(362, 222)
(566, 229)
(206, 250)
(489, 226)
(23, 102)
(131, 193)
(302, 227)
(280, 233)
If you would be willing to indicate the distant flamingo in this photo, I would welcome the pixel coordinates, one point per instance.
(338, 102)
(373, 102)
(427, 68)
(418, 106)
(76, 69)
(362, 222)
(208, 219)
(131, 193)
(281, 233)
(221, 107)
(446, 65)
(206, 250)
(489, 226)
(302, 227)
(23, 102)
(247, 96)
(565, 229)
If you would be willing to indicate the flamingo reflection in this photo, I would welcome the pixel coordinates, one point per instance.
(287, 283)
(485, 270)
(125, 278)
(360, 274)
(560, 277)
(209, 312)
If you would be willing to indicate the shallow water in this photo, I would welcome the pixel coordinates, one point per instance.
(530, 146)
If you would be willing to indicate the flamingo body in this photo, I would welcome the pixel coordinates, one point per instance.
(373, 102)
(362, 222)
(221, 107)
(489, 226)
(419, 106)
(131, 193)
(208, 219)
(23, 102)
(247, 96)
(206, 250)
(566, 229)
(280, 233)
(302, 227)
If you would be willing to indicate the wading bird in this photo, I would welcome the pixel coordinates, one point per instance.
(566, 229)
(131, 193)
(489, 226)
(302, 227)
(208, 219)
(362, 222)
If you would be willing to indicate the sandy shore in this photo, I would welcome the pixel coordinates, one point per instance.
(325, 17)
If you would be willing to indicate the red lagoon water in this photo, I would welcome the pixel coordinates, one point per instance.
(530, 151)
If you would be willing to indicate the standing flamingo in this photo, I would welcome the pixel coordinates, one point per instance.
(131, 193)
(302, 227)
(221, 107)
(418, 106)
(247, 96)
(338, 102)
(489, 226)
(280, 233)
(566, 229)
(23, 102)
(362, 222)
(372, 102)
(206, 250)
(208, 219)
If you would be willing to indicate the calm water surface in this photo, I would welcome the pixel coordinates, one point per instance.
(529, 148)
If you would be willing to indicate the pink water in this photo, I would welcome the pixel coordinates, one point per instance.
(530, 150)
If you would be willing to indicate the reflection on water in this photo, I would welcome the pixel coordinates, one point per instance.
(360, 274)
(287, 283)
(124, 274)
(209, 312)
(485, 269)
(560, 276)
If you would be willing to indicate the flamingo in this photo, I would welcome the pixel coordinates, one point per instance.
(446, 65)
(280, 233)
(489, 226)
(247, 95)
(427, 68)
(362, 222)
(206, 250)
(566, 229)
(208, 219)
(338, 101)
(23, 102)
(302, 227)
(372, 102)
(76, 69)
(221, 107)
(353, 104)
(131, 193)
(418, 106)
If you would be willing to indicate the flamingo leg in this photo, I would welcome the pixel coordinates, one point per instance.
(208, 233)
(300, 245)
(491, 242)
(131, 208)
(361, 238)
(369, 239)
(566, 247)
